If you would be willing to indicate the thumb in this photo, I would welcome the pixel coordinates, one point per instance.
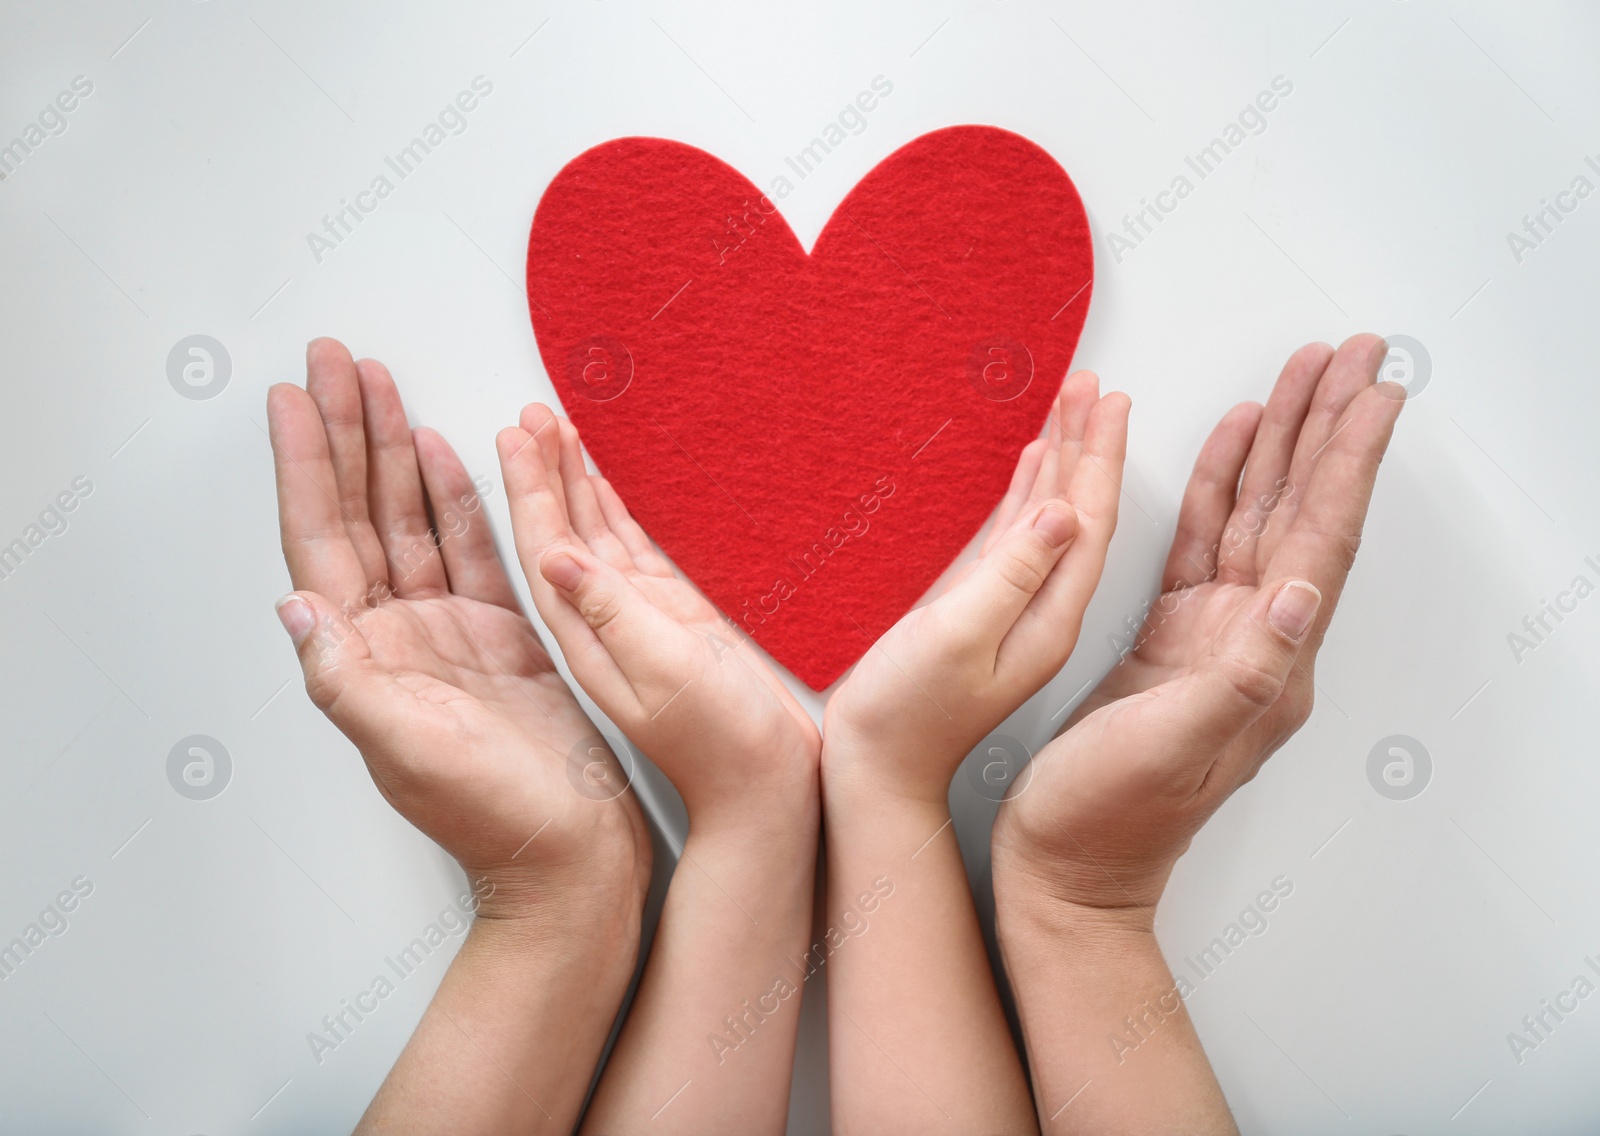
(365, 701)
(334, 654)
(1249, 665)
(984, 605)
(649, 648)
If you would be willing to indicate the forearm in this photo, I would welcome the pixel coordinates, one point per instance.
(510, 1041)
(917, 1038)
(708, 1045)
(1111, 1046)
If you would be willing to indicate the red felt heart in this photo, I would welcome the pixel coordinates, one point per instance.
(812, 439)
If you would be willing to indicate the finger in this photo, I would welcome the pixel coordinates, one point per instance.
(978, 611)
(646, 558)
(1243, 675)
(1321, 542)
(1047, 629)
(544, 428)
(1096, 486)
(1058, 453)
(1354, 369)
(533, 488)
(471, 563)
(648, 647)
(1266, 470)
(1079, 396)
(541, 443)
(399, 510)
(316, 543)
(539, 523)
(333, 384)
(1017, 494)
(584, 514)
(1049, 474)
(356, 694)
(1209, 498)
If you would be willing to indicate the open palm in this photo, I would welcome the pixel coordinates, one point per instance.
(653, 652)
(411, 637)
(949, 671)
(1212, 686)
(617, 538)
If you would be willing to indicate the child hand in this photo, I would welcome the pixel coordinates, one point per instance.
(916, 1032)
(949, 672)
(659, 659)
(648, 647)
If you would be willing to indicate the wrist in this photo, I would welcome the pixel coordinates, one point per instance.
(856, 774)
(745, 786)
(1025, 913)
(1040, 935)
(774, 815)
(612, 875)
(1061, 902)
(1081, 865)
(515, 920)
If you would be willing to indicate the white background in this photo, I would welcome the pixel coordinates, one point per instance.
(1379, 197)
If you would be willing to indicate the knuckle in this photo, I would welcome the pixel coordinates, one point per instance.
(1345, 547)
(1342, 543)
(1024, 569)
(322, 690)
(1257, 683)
(599, 607)
(1300, 706)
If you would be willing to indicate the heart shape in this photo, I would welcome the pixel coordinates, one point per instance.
(811, 438)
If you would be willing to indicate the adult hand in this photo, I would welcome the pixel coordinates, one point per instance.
(1221, 674)
(413, 643)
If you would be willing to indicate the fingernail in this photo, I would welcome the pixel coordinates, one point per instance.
(1380, 351)
(296, 616)
(1057, 524)
(562, 570)
(1294, 607)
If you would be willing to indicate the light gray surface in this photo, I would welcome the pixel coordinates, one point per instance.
(1379, 196)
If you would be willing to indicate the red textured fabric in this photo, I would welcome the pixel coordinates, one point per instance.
(812, 439)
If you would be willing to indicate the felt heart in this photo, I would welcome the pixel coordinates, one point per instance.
(811, 438)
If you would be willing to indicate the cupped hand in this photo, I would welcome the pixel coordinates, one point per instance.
(1221, 673)
(413, 644)
(673, 674)
(949, 672)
